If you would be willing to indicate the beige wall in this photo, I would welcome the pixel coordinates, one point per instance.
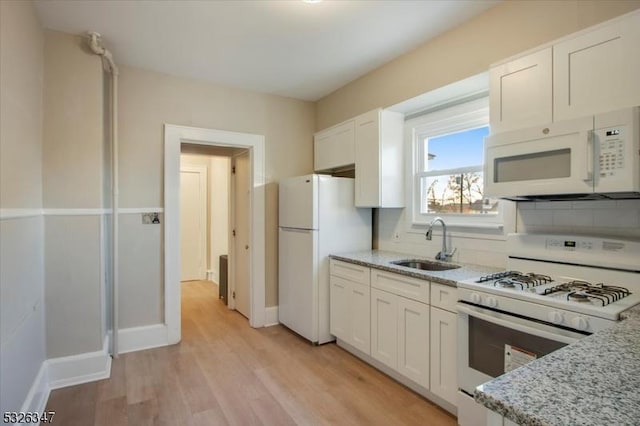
(73, 286)
(150, 99)
(73, 123)
(74, 161)
(502, 31)
(22, 327)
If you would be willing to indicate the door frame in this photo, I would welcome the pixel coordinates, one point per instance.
(204, 184)
(174, 136)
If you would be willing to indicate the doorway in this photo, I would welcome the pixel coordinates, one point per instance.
(195, 191)
(174, 138)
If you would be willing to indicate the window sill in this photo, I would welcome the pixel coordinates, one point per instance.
(492, 231)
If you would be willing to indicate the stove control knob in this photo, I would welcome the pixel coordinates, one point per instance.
(555, 317)
(580, 323)
(492, 302)
(475, 298)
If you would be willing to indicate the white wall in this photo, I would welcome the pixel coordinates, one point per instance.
(22, 327)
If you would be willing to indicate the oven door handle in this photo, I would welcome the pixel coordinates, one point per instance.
(516, 324)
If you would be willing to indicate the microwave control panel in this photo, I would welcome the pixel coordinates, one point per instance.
(611, 151)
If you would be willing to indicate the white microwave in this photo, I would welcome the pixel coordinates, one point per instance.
(588, 158)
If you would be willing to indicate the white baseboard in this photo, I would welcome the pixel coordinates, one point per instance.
(140, 338)
(271, 316)
(77, 369)
(38, 395)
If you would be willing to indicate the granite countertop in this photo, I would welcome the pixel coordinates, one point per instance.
(595, 381)
(381, 259)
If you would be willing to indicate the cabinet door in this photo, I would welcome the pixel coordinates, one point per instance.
(334, 147)
(598, 71)
(339, 307)
(384, 327)
(360, 317)
(413, 340)
(444, 379)
(367, 142)
(521, 92)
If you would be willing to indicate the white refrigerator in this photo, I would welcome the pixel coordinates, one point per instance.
(317, 217)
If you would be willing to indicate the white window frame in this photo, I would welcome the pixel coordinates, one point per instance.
(457, 118)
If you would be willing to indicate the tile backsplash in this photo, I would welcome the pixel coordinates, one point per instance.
(598, 217)
(609, 218)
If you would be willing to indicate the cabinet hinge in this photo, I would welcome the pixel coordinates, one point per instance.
(233, 170)
(233, 232)
(233, 294)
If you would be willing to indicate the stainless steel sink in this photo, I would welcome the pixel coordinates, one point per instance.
(425, 265)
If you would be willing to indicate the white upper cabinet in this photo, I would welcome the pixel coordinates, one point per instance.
(334, 148)
(521, 92)
(599, 70)
(379, 159)
(593, 71)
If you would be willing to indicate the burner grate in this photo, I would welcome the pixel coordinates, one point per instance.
(583, 291)
(497, 276)
(523, 281)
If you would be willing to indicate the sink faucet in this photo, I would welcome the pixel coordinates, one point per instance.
(443, 254)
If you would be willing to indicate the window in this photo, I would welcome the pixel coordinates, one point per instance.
(448, 153)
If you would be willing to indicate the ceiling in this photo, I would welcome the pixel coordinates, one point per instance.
(289, 48)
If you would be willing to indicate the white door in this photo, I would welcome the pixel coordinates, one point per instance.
(193, 211)
(339, 307)
(521, 92)
(413, 340)
(360, 317)
(597, 71)
(242, 217)
(384, 327)
(444, 377)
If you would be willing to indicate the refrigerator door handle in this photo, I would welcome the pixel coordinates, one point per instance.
(284, 228)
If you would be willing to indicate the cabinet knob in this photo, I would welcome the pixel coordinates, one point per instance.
(545, 131)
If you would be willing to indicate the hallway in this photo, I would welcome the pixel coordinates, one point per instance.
(224, 372)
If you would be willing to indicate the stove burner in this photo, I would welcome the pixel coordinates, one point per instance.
(583, 291)
(578, 297)
(523, 281)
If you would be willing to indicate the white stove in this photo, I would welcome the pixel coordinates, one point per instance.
(557, 290)
(583, 283)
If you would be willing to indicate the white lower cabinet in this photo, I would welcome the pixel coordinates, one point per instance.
(413, 340)
(349, 318)
(400, 335)
(359, 318)
(339, 307)
(392, 322)
(384, 327)
(444, 378)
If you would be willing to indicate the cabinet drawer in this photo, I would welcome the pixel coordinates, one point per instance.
(412, 288)
(350, 271)
(444, 297)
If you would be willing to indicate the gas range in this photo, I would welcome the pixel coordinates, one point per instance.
(581, 283)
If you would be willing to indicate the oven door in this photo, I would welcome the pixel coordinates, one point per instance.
(557, 159)
(491, 343)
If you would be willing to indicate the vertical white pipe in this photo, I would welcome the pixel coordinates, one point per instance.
(107, 59)
(115, 194)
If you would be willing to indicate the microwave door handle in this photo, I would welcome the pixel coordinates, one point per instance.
(588, 176)
(516, 326)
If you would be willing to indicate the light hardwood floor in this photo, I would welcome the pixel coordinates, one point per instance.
(225, 372)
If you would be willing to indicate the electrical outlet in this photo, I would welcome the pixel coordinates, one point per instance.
(150, 218)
